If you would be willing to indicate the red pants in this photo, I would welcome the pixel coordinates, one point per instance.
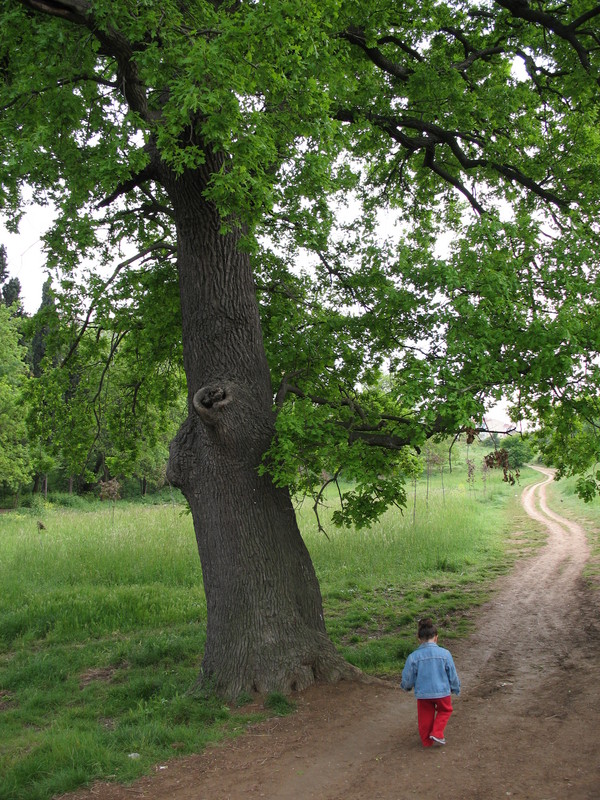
(432, 717)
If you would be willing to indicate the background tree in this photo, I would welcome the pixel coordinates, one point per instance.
(519, 450)
(3, 264)
(105, 401)
(43, 329)
(229, 139)
(11, 287)
(15, 460)
(11, 294)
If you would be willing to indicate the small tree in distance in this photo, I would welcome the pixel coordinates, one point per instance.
(519, 451)
(10, 287)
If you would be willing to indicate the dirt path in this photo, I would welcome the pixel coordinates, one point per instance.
(525, 726)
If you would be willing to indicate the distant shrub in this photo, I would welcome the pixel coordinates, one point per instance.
(78, 502)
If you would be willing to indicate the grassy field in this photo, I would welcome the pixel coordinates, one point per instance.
(102, 621)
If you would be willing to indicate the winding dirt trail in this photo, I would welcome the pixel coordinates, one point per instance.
(526, 724)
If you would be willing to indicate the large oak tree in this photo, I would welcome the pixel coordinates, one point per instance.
(259, 150)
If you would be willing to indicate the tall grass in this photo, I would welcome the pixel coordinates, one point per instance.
(102, 622)
(92, 574)
(103, 617)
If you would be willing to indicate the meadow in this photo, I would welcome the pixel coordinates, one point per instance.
(102, 620)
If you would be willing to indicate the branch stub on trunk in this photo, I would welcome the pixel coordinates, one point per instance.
(210, 400)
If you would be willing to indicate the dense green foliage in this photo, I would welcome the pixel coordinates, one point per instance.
(520, 451)
(14, 452)
(96, 407)
(79, 404)
(569, 440)
(354, 139)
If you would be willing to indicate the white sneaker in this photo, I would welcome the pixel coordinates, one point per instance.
(437, 740)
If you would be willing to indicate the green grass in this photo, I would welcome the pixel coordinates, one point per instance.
(102, 622)
(102, 625)
(438, 559)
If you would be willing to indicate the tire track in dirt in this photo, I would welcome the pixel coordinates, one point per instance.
(524, 726)
(540, 603)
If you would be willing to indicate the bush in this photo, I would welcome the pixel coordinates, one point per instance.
(519, 451)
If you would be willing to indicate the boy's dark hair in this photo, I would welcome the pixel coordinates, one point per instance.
(427, 629)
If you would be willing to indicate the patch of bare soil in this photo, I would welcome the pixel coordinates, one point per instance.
(96, 674)
(525, 725)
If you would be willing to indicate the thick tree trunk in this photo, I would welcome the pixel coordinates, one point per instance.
(265, 627)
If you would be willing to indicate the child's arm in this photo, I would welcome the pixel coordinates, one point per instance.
(408, 675)
(452, 676)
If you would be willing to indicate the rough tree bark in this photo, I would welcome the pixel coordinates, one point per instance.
(265, 618)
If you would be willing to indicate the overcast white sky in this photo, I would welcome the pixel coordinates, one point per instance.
(26, 260)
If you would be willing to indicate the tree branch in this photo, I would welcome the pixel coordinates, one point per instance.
(394, 442)
(105, 285)
(159, 208)
(522, 10)
(357, 36)
(317, 502)
(146, 174)
(72, 10)
(385, 440)
(113, 44)
(431, 163)
(577, 23)
(373, 435)
(432, 136)
(64, 82)
(475, 55)
(390, 39)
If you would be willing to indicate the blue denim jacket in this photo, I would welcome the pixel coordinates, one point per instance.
(431, 672)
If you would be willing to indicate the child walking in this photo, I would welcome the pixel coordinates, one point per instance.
(430, 671)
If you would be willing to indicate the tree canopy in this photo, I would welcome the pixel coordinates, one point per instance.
(337, 122)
